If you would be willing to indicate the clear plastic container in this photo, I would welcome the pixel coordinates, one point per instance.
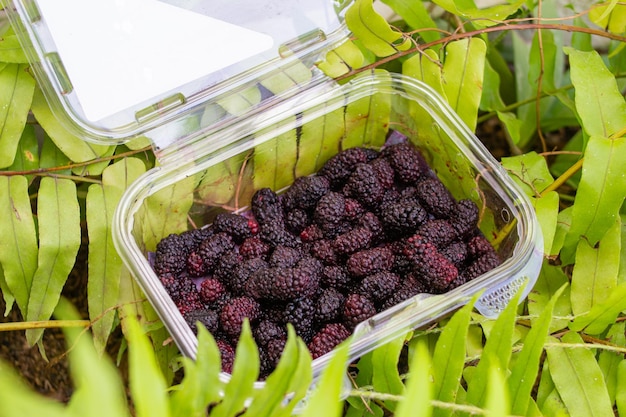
(294, 139)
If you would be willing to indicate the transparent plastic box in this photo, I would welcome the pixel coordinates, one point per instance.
(260, 119)
(295, 139)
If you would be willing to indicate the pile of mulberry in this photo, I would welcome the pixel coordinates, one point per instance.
(371, 229)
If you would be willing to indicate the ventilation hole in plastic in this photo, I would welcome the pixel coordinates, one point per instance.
(494, 302)
(506, 215)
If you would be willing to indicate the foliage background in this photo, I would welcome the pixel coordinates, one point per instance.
(536, 70)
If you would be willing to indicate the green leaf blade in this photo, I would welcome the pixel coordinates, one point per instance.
(449, 358)
(18, 239)
(385, 377)
(463, 71)
(524, 371)
(245, 372)
(601, 191)
(600, 104)
(147, 384)
(59, 239)
(578, 379)
(16, 92)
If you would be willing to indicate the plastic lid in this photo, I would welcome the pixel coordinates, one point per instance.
(117, 68)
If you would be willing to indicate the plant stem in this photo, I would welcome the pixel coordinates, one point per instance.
(44, 324)
(463, 35)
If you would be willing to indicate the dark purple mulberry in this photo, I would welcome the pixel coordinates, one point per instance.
(266, 206)
(384, 172)
(254, 247)
(195, 265)
(270, 356)
(281, 283)
(353, 209)
(285, 256)
(336, 276)
(305, 192)
(437, 271)
(483, 264)
(177, 286)
(478, 245)
(327, 339)
(297, 220)
(329, 305)
(188, 301)
(208, 318)
(227, 353)
(226, 265)
(268, 330)
(324, 250)
(192, 238)
(311, 233)
(464, 218)
(370, 261)
(275, 234)
(455, 252)
(439, 232)
(338, 168)
(300, 313)
(212, 291)
(352, 241)
(406, 161)
(408, 288)
(235, 311)
(402, 217)
(171, 255)
(379, 286)
(236, 282)
(436, 198)
(364, 186)
(330, 210)
(372, 222)
(238, 226)
(356, 309)
(212, 248)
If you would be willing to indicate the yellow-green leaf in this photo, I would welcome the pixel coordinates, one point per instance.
(594, 277)
(18, 238)
(76, 148)
(59, 239)
(374, 31)
(599, 102)
(418, 394)
(147, 385)
(16, 94)
(104, 263)
(578, 379)
(245, 372)
(463, 70)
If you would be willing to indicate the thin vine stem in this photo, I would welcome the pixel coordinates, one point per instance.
(45, 171)
(470, 34)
